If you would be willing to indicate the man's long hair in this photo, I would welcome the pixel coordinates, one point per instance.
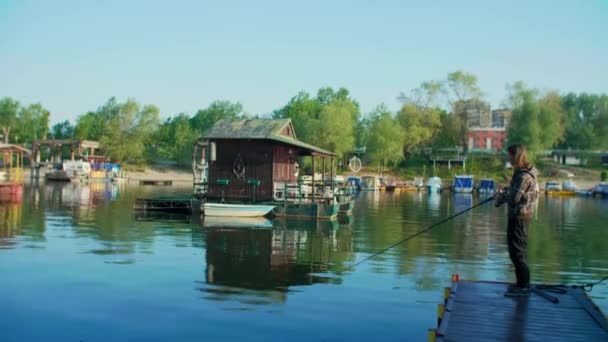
(518, 151)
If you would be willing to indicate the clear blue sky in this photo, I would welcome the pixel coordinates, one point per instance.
(181, 55)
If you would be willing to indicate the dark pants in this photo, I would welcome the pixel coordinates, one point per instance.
(517, 240)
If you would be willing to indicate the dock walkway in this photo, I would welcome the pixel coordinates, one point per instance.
(479, 311)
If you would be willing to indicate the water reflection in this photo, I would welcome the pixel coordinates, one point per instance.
(293, 253)
(85, 242)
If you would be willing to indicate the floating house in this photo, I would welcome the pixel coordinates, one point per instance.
(243, 164)
(11, 173)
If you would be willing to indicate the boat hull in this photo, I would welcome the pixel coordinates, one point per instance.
(433, 188)
(236, 210)
(236, 222)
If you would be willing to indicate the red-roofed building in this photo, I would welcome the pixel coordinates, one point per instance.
(487, 139)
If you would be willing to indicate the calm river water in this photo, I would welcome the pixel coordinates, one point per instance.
(78, 265)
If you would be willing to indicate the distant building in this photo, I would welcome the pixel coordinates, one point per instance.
(477, 113)
(487, 139)
(501, 118)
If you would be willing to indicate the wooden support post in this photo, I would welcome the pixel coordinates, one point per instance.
(313, 177)
(72, 152)
(323, 174)
(331, 173)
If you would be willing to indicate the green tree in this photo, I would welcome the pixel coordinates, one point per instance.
(32, 123)
(216, 111)
(586, 121)
(8, 116)
(174, 139)
(386, 138)
(419, 125)
(463, 95)
(536, 122)
(62, 130)
(336, 126)
(330, 120)
(128, 133)
(92, 125)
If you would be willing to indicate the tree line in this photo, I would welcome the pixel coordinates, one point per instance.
(434, 115)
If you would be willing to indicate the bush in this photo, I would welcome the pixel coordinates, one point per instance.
(604, 176)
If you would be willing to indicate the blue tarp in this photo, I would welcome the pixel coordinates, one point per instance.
(355, 180)
(463, 181)
(106, 167)
(486, 184)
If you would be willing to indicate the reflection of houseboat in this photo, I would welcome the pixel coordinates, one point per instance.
(434, 185)
(255, 162)
(370, 183)
(267, 258)
(463, 184)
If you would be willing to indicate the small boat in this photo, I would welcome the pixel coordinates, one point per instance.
(601, 190)
(236, 210)
(486, 186)
(568, 188)
(552, 188)
(370, 183)
(390, 185)
(463, 184)
(434, 185)
(355, 182)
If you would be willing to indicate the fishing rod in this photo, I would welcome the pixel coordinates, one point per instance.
(420, 232)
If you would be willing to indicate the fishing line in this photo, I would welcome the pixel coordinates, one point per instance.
(420, 232)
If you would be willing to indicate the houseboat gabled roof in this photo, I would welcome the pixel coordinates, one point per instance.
(13, 148)
(279, 130)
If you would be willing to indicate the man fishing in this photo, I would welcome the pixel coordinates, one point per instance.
(520, 197)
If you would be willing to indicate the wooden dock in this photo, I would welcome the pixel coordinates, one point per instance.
(155, 182)
(479, 311)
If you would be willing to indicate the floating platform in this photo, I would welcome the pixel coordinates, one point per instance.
(155, 182)
(479, 311)
(181, 205)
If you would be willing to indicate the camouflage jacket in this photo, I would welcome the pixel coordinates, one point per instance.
(521, 194)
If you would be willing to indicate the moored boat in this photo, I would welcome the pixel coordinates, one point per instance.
(236, 210)
(236, 222)
(434, 185)
(463, 184)
(370, 183)
(486, 186)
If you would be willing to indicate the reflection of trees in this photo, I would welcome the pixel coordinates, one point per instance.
(291, 254)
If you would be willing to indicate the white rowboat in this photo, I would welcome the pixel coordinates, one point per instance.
(236, 210)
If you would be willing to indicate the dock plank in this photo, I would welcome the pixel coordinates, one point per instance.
(479, 311)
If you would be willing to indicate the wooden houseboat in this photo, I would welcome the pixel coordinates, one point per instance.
(11, 174)
(253, 165)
